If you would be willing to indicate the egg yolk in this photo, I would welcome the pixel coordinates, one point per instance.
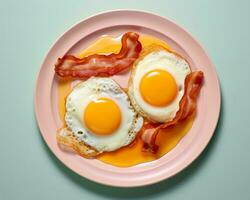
(102, 116)
(158, 88)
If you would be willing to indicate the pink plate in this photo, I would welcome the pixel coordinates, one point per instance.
(116, 23)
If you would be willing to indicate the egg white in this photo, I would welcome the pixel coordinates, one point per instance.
(162, 60)
(89, 90)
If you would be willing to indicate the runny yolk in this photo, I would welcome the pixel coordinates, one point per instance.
(102, 116)
(158, 88)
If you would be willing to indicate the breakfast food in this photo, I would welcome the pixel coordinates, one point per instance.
(163, 90)
(123, 122)
(187, 106)
(100, 116)
(101, 65)
(66, 138)
(156, 84)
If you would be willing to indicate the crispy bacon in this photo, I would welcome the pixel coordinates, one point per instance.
(187, 106)
(101, 65)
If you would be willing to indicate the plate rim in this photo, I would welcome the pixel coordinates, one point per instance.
(194, 157)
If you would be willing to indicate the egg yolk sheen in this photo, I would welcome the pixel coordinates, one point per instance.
(158, 88)
(102, 116)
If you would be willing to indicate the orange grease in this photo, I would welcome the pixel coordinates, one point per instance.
(64, 88)
(132, 154)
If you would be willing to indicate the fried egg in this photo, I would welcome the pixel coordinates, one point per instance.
(100, 115)
(156, 84)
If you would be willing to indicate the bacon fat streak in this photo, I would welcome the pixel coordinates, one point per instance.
(101, 65)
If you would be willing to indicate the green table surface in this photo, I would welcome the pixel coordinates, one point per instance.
(28, 170)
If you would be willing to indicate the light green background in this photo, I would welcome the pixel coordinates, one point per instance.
(28, 170)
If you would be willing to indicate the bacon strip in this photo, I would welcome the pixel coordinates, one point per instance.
(101, 65)
(193, 83)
